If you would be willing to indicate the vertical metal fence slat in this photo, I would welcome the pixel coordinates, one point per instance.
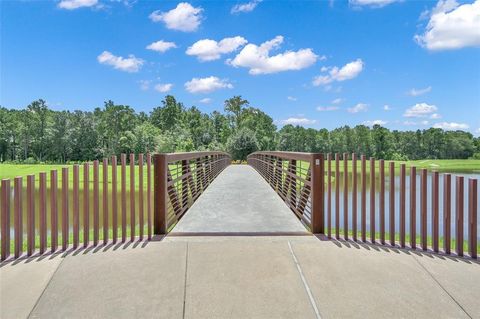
(53, 210)
(105, 200)
(86, 204)
(76, 205)
(149, 195)
(30, 214)
(364, 198)
(435, 221)
(354, 196)
(114, 200)
(423, 208)
(65, 209)
(96, 203)
(391, 202)
(17, 217)
(472, 217)
(413, 207)
(42, 210)
(447, 212)
(372, 199)
(132, 197)
(402, 204)
(337, 195)
(329, 195)
(140, 196)
(459, 215)
(381, 167)
(123, 163)
(5, 219)
(345, 196)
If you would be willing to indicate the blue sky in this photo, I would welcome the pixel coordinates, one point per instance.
(403, 64)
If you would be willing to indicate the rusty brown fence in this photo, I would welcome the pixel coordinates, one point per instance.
(98, 203)
(180, 178)
(350, 198)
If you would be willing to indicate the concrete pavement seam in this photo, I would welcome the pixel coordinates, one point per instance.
(441, 286)
(185, 281)
(46, 286)
(305, 284)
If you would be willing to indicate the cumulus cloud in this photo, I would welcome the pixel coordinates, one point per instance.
(298, 121)
(387, 107)
(327, 108)
(245, 7)
(413, 123)
(371, 3)
(346, 72)
(435, 116)
(337, 101)
(163, 87)
(417, 92)
(144, 85)
(451, 126)
(161, 46)
(360, 107)
(206, 100)
(258, 59)
(291, 98)
(130, 64)
(184, 17)
(452, 26)
(75, 4)
(375, 122)
(420, 110)
(209, 50)
(207, 85)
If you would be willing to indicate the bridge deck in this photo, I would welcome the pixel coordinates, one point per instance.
(239, 200)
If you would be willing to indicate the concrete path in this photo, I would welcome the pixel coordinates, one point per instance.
(241, 277)
(239, 200)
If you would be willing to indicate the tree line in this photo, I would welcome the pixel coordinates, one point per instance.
(37, 134)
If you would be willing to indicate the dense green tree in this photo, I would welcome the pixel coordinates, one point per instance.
(242, 143)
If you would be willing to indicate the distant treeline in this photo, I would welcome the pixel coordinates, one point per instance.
(38, 134)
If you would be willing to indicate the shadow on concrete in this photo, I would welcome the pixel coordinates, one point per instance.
(81, 250)
(387, 248)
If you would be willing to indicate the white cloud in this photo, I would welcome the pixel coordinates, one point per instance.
(161, 46)
(291, 98)
(372, 3)
(298, 121)
(413, 123)
(144, 85)
(387, 107)
(451, 126)
(435, 116)
(452, 26)
(327, 108)
(417, 92)
(130, 64)
(245, 7)
(346, 72)
(184, 17)
(360, 107)
(207, 85)
(337, 101)
(258, 60)
(420, 110)
(209, 50)
(163, 87)
(206, 100)
(375, 122)
(75, 4)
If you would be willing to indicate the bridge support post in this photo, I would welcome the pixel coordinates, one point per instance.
(160, 194)
(317, 168)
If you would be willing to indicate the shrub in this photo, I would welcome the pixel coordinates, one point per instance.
(242, 143)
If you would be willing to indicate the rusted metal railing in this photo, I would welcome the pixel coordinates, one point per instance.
(180, 178)
(385, 219)
(299, 180)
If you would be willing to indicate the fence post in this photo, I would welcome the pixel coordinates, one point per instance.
(318, 188)
(160, 167)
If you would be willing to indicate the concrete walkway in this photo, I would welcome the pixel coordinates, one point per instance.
(241, 277)
(239, 201)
